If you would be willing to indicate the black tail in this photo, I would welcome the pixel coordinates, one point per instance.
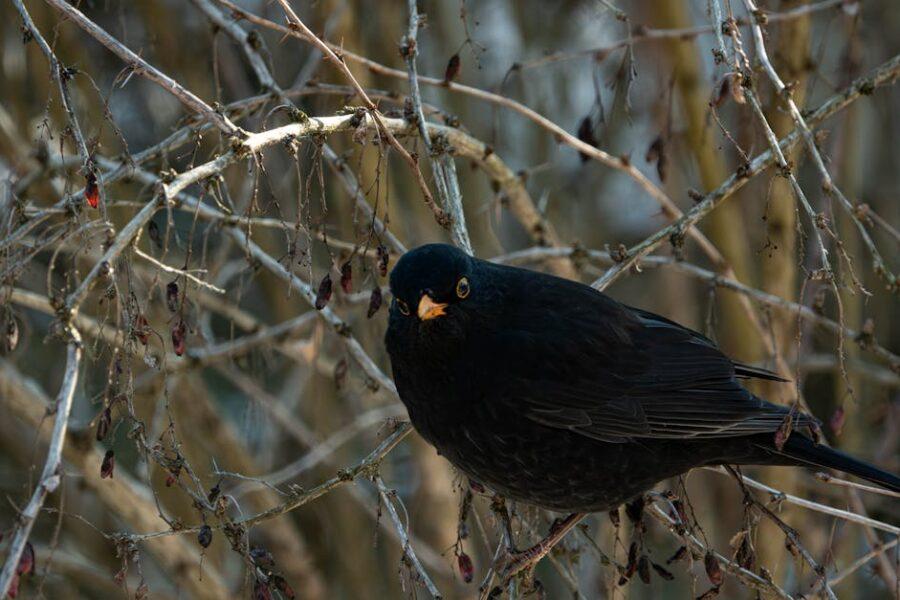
(804, 450)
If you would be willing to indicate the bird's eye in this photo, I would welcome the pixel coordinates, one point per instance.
(462, 287)
(404, 308)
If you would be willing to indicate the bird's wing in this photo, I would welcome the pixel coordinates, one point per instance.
(573, 358)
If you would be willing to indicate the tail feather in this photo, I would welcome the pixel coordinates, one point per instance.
(800, 448)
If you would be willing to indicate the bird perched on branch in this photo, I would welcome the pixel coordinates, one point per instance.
(554, 394)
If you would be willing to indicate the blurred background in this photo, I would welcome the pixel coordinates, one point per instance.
(222, 393)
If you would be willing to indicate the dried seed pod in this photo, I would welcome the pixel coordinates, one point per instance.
(172, 296)
(205, 535)
(103, 424)
(632, 564)
(586, 134)
(713, 569)
(614, 517)
(383, 258)
(662, 572)
(466, 567)
(635, 509)
(375, 301)
(324, 293)
(347, 277)
(261, 591)
(709, 594)
(142, 329)
(679, 555)
(92, 190)
(283, 586)
(452, 70)
(643, 569)
(784, 431)
(26, 561)
(108, 465)
(179, 333)
(657, 153)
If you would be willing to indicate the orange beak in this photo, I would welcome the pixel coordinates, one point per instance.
(429, 309)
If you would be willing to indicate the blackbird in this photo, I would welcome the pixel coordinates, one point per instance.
(552, 393)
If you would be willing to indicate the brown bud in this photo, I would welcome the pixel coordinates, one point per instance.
(204, 537)
(586, 134)
(374, 302)
(383, 258)
(324, 293)
(662, 572)
(103, 424)
(108, 465)
(179, 333)
(643, 569)
(452, 71)
(142, 329)
(713, 569)
(347, 277)
(26, 561)
(466, 567)
(679, 555)
(172, 296)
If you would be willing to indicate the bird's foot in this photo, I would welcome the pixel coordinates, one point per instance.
(520, 561)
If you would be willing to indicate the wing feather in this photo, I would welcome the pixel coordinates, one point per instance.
(620, 373)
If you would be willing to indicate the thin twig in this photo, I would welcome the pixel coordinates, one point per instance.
(142, 67)
(50, 476)
(884, 74)
(387, 497)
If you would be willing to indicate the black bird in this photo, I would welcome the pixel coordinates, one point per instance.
(554, 394)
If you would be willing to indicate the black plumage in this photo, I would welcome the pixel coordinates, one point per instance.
(555, 394)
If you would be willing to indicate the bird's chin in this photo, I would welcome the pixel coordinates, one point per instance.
(439, 332)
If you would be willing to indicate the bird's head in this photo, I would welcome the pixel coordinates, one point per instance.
(436, 293)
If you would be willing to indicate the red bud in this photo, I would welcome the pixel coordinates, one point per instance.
(92, 190)
(466, 568)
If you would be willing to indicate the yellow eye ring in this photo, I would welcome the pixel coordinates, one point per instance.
(404, 309)
(462, 287)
